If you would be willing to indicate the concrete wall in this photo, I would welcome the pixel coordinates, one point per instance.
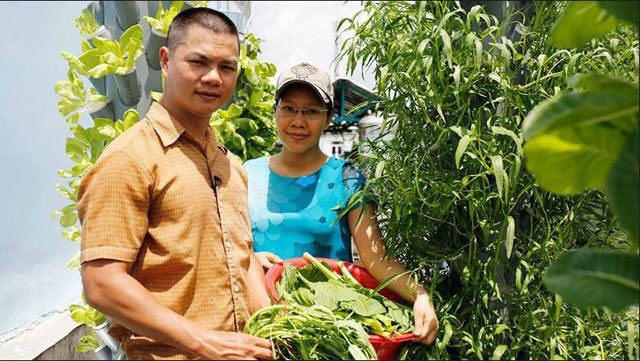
(65, 348)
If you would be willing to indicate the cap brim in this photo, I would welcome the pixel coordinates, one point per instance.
(321, 94)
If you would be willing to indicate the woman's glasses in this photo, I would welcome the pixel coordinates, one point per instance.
(288, 111)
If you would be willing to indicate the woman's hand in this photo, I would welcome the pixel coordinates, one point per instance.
(426, 322)
(267, 259)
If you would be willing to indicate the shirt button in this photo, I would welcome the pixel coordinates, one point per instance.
(236, 288)
(227, 244)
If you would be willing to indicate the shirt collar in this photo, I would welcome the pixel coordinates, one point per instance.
(168, 128)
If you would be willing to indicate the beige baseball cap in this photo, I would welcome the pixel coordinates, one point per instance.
(306, 73)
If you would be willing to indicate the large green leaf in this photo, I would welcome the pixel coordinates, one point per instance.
(580, 109)
(328, 294)
(589, 277)
(571, 160)
(364, 306)
(580, 22)
(622, 10)
(622, 188)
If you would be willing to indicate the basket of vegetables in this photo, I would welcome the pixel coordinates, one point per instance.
(330, 297)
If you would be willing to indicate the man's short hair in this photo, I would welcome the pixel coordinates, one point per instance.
(205, 17)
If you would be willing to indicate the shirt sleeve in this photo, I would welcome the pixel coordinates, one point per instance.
(113, 204)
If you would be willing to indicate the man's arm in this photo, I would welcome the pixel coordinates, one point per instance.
(110, 289)
(255, 278)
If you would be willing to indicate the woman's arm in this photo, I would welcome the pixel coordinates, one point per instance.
(368, 240)
(255, 279)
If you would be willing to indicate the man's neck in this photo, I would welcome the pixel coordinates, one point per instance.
(195, 126)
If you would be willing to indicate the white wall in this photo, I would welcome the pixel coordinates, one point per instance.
(32, 251)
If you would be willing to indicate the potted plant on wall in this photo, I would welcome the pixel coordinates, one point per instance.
(117, 57)
(88, 26)
(75, 100)
(159, 30)
(81, 68)
(127, 13)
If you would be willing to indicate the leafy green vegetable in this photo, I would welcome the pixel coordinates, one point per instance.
(86, 22)
(74, 97)
(317, 300)
(344, 295)
(164, 17)
(310, 333)
(109, 56)
(247, 127)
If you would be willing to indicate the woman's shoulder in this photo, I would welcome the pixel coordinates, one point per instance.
(346, 172)
(255, 164)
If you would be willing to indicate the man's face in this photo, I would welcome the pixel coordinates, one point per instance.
(200, 74)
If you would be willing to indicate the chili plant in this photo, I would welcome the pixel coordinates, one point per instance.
(455, 84)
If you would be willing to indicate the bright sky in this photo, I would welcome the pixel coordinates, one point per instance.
(32, 251)
(296, 31)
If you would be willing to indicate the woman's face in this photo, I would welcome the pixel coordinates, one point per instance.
(300, 133)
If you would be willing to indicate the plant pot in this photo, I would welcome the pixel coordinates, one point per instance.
(102, 110)
(127, 14)
(152, 49)
(128, 87)
(98, 8)
(154, 81)
(152, 7)
(102, 32)
(100, 84)
(104, 353)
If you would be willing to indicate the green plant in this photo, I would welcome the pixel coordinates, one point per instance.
(164, 17)
(310, 333)
(108, 56)
(455, 84)
(74, 100)
(325, 315)
(86, 22)
(588, 139)
(247, 127)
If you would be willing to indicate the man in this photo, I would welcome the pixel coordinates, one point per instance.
(166, 239)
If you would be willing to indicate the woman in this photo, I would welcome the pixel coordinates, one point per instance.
(296, 195)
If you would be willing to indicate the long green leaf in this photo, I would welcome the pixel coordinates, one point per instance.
(498, 352)
(510, 236)
(389, 281)
(498, 170)
(589, 277)
(462, 147)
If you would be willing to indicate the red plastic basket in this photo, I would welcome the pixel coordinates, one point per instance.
(386, 348)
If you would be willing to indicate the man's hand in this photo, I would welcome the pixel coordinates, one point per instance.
(220, 345)
(267, 259)
(426, 321)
